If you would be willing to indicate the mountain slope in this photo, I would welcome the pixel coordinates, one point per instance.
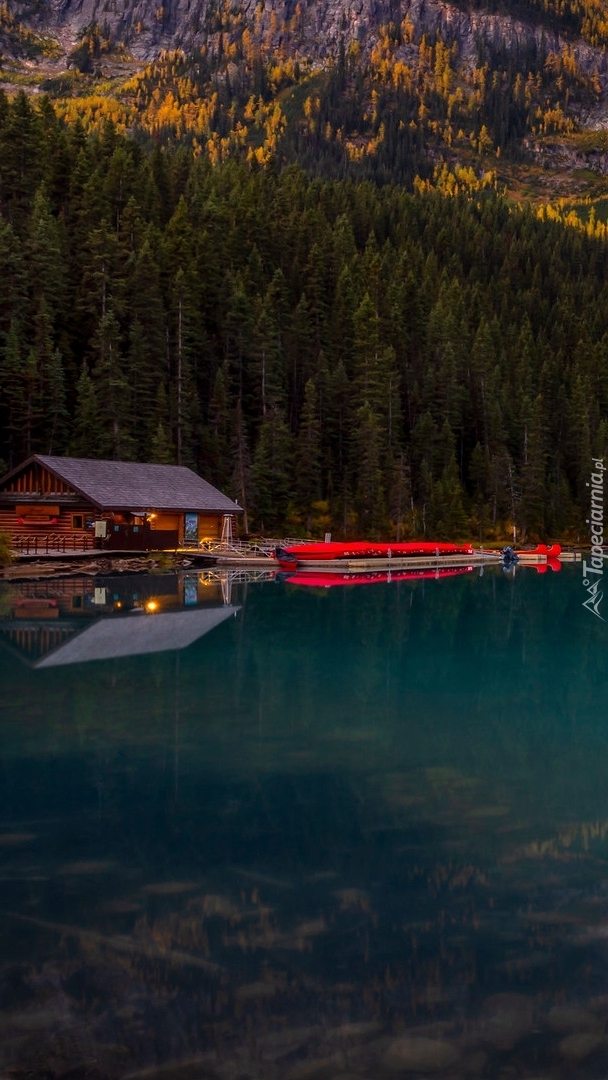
(378, 89)
(232, 254)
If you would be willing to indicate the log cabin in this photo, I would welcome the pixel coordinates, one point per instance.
(66, 504)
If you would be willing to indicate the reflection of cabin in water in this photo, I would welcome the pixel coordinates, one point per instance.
(55, 503)
(86, 595)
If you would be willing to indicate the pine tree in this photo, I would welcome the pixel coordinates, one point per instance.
(115, 438)
(14, 300)
(447, 517)
(300, 354)
(400, 495)
(423, 456)
(119, 183)
(368, 482)
(162, 450)
(22, 161)
(308, 455)
(13, 393)
(103, 283)
(45, 262)
(221, 429)
(242, 480)
(147, 349)
(85, 439)
(238, 330)
(182, 344)
(532, 514)
(44, 371)
(272, 472)
(264, 369)
(56, 406)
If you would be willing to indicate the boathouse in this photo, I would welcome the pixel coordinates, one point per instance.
(60, 504)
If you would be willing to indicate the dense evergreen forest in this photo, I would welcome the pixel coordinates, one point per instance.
(335, 354)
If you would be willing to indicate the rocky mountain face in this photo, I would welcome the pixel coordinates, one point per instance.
(312, 28)
(547, 109)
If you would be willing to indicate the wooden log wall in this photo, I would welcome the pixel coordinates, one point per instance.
(64, 525)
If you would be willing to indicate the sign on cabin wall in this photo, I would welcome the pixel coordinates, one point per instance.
(32, 510)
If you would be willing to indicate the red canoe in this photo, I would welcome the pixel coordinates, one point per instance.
(553, 551)
(541, 554)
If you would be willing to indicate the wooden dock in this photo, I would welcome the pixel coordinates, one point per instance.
(229, 558)
(256, 556)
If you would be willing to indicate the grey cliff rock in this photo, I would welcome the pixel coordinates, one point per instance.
(313, 28)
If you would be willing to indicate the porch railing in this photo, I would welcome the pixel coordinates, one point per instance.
(47, 543)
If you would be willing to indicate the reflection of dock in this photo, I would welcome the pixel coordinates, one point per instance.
(239, 575)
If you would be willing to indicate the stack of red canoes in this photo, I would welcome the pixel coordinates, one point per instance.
(288, 557)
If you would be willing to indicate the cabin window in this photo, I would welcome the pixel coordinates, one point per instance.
(76, 602)
(77, 521)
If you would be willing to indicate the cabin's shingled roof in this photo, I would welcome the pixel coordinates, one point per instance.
(127, 485)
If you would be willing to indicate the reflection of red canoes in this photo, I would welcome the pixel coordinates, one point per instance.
(542, 567)
(325, 580)
(288, 557)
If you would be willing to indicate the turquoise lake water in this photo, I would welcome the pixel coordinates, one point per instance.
(253, 830)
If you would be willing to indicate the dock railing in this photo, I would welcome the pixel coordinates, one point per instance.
(259, 548)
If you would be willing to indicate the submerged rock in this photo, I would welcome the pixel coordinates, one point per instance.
(504, 1020)
(567, 1018)
(419, 1054)
(316, 1068)
(170, 888)
(580, 1045)
(474, 1064)
(255, 991)
(356, 1031)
